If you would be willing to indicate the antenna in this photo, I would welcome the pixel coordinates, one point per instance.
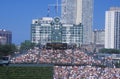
(57, 6)
(54, 5)
(48, 11)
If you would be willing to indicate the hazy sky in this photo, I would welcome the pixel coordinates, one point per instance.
(17, 15)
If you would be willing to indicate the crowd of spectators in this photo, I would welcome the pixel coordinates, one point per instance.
(67, 56)
(85, 72)
(31, 56)
(79, 63)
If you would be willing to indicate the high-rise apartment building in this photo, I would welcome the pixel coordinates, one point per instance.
(41, 30)
(7, 35)
(49, 30)
(99, 36)
(3, 40)
(112, 28)
(79, 11)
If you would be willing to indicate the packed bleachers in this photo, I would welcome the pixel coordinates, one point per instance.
(67, 56)
(31, 56)
(85, 72)
(71, 63)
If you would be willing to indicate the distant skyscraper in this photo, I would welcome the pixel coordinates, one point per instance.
(7, 35)
(99, 36)
(3, 40)
(79, 11)
(112, 28)
(68, 11)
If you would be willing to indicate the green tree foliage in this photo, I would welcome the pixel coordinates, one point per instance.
(26, 45)
(7, 49)
(117, 64)
(110, 51)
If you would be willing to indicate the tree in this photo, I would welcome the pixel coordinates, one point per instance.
(7, 49)
(26, 45)
(110, 51)
(117, 64)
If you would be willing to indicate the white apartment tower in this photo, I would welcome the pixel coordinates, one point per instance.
(76, 12)
(112, 28)
(99, 36)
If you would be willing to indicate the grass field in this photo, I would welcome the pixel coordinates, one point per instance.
(26, 72)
